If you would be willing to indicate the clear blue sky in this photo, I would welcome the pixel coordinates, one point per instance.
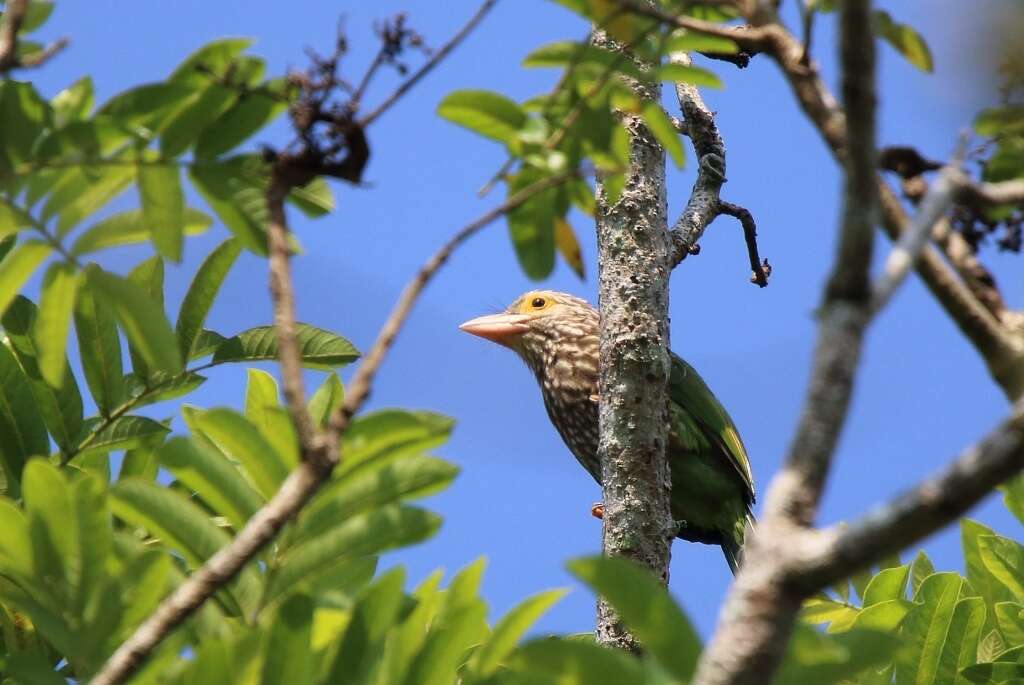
(521, 499)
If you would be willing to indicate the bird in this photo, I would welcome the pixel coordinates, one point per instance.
(556, 335)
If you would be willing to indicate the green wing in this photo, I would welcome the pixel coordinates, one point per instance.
(707, 424)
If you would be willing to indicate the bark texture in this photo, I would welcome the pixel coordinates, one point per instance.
(634, 251)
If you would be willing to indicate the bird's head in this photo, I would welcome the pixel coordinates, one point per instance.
(538, 323)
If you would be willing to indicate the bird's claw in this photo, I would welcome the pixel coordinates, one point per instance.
(678, 527)
(597, 510)
(714, 166)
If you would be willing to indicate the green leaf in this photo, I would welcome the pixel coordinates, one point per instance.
(960, 647)
(139, 462)
(100, 350)
(646, 608)
(685, 73)
(50, 513)
(12, 219)
(822, 609)
(1004, 560)
(123, 433)
(403, 479)
(991, 645)
(366, 534)
(1002, 672)
(202, 110)
(247, 116)
(904, 38)
(128, 228)
(570, 662)
(25, 115)
(814, 657)
(288, 656)
(206, 344)
(1010, 619)
(660, 125)
(214, 478)
(978, 574)
(888, 584)
(920, 569)
(531, 226)
(74, 102)
(457, 627)
(210, 62)
(388, 434)
(490, 114)
(319, 348)
(242, 442)
(22, 431)
(926, 627)
(201, 293)
(141, 318)
(374, 614)
(182, 526)
(690, 41)
(1000, 121)
(92, 520)
(36, 14)
(1013, 496)
(264, 410)
(54, 321)
(313, 199)
(148, 106)
(565, 53)
(884, 616)
(163, 207)
(327, 398)
(85, 191)
(234, 190)
(60, 406)
(507, 632)
(17, 267)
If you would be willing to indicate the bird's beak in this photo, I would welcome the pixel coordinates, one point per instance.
(499, 328)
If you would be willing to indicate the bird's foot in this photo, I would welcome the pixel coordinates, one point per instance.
(597, 510)
(679, 527)
(714, 166)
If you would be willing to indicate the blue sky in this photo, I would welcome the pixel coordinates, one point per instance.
(521, 500)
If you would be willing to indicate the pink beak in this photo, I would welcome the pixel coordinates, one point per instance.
(499, 328)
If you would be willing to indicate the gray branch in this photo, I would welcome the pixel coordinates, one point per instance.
(634, 267)
(759, 613)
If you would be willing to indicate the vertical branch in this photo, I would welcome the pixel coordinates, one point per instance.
(283, 296)
(633, 265)
(759, 613)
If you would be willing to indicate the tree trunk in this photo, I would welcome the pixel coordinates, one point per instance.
(633, 273)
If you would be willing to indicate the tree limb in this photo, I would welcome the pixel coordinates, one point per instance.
(758, 615)
(633, 273)
(14, 16)
(319, 458)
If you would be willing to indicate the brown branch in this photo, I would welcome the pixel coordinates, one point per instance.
(14, 16)
(758, 616)
(991, 194)
(283, 296)
(319, 459)
(436, 58)
(760, 271)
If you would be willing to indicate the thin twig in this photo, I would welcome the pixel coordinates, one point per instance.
(905, 252)
(759, 270)
(441, 53)
(303, 482)
(283, 297)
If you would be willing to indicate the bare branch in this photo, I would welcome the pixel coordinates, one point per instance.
(436, 58)
(759, 270)
(1003, 193)
(932, 505)
(14, 16)
(758, 615)
(318, 460)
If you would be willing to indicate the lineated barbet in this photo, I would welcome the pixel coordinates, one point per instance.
(557, 336)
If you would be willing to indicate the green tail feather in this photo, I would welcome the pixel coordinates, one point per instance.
(732, 547)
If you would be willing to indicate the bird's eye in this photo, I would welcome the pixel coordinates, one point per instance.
(538, 303)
